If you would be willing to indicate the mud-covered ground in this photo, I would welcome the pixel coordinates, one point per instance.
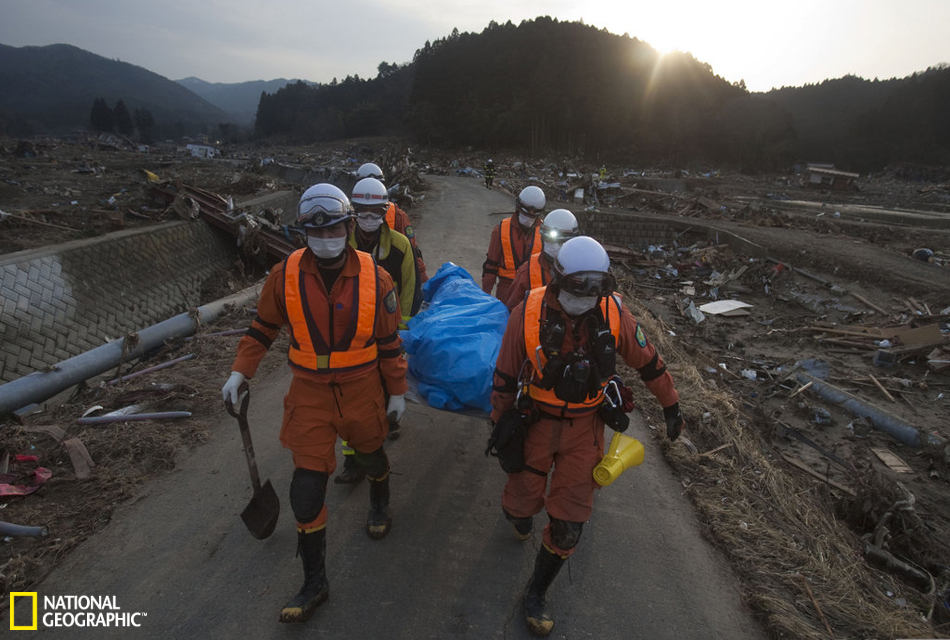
(828, 277)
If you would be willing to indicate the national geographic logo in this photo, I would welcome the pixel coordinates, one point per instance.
(71, 611)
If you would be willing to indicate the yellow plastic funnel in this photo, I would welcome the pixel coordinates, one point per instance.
(624, 452)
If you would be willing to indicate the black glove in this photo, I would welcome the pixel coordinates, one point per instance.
(674, 421)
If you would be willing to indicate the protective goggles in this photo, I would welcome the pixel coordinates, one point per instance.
(322, 211)
(588, 283)
(529, 211)
(368, 211)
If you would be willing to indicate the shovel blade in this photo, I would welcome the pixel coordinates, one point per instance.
(261, 513)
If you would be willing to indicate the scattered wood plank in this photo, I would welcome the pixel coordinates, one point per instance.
(716, 450)
(868, 303)
(814, 602)
(800, 389)
(40, 222)
(877, 383)
(848, 343)
(869, 332)
(795, 462)
(920, 307)
(893, 462)
(54, 432)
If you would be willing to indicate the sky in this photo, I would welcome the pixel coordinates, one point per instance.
(766, 43)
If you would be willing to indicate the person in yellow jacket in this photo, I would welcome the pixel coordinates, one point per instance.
(342, 312)
(396, 218)
(393, 252)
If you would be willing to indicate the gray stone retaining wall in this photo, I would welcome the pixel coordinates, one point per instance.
(630, 230)
(58, 302)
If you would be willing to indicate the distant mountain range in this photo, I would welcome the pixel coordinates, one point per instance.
(240, 100)
(51, 89)
(544, 87)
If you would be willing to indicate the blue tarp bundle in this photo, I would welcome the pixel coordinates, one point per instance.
(453, 343)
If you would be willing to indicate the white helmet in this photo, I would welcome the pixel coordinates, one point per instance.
(369, 170)
(582, 268)
(558, 226)
(323, 205)
(370, 192)
(531, 201)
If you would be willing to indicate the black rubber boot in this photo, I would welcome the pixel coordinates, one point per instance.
(546, 567)
(379, 520)
(312, 549)
(352, 472)
(523, 526)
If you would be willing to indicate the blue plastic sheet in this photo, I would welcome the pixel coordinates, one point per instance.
(454, 341)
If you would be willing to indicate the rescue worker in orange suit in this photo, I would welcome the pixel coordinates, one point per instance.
(513, 240)
(559, 352)
(558, 227)
(342, 311)
(392, 252)
(396, 218)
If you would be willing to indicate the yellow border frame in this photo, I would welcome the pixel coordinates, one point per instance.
(32, 594)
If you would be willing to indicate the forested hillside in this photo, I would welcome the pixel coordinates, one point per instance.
(52, 89)
(543, 87)
(865, 125)
(546, 86)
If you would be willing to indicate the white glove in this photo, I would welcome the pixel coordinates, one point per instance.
(397, 405)
(230, 388)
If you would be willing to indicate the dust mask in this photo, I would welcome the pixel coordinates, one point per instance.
(526, 221)
(369, 224)
(576, 305)
(551, 250)
(327, 248)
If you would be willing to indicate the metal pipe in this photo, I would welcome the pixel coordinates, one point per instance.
(158, 367)
(900, 430)
(133, 417)
(42, 385)
(10, 529)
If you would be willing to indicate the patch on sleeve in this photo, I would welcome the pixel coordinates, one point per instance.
(641, 339)
(390, 301)
(409, 233)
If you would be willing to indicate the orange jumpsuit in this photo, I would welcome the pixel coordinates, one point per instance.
(509, 247)
(534, 273)
(572, 443)
(398, 220)
(346, 402)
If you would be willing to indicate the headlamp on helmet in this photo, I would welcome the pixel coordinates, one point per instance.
(558, 226)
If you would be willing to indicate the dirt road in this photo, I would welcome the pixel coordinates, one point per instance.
(450, 566)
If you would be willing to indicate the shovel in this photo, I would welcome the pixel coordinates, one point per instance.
(260, 514)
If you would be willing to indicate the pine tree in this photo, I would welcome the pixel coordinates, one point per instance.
(123, 119)
(145, 122)
(101, 118)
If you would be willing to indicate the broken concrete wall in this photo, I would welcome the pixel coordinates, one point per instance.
(60, 301)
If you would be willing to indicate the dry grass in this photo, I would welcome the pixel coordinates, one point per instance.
(801, 567)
